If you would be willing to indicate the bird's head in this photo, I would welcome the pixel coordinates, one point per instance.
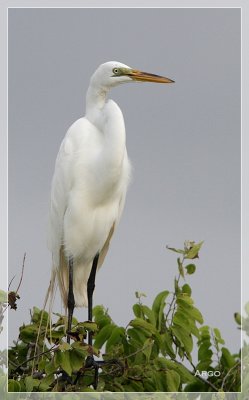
(113, 73)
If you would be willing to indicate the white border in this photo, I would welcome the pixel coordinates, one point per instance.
(112, 4)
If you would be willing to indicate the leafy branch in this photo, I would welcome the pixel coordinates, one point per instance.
(149, 354)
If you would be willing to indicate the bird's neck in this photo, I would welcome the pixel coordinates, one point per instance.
(95, 100)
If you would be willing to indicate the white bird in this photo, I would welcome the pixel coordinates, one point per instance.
(89, 187)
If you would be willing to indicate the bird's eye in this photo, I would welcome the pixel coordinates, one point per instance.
(115, 71)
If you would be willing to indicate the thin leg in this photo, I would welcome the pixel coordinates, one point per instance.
(90, 362)
(90, 290)
(70, 298)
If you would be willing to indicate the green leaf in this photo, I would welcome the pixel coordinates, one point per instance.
(62, 359)
(137, 336)
(227, 359)
(39, 315)
(140, 323)
(184, 338)
(218, 336)
(176, 250)
(181, 320)
(28, 333)
(173, 380)
(116, 337)
(189, 309)
(50, 367)
(89, 326)
(158, 307)
(102, 336)
(167, 342)
(205, 332)
(149, 314)
(196, 386)
(134, 386)
(204, 352)
(161, 363)
(184, 373)
(64, 346)
(42, 364)
(30, 383)
(77, 359)
(65, 362)
(238, 319)
(13, 386)
(160, 381)
(186, 289)
(98, 312)
(185, 298)
(190, 268)
(193, 252)
(101, 316)
(149, 385)
(45, 383)
(58, 334)
(3, 296)
(147, 349)
(137, 310)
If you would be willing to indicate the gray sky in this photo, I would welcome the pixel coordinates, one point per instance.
(183, 141)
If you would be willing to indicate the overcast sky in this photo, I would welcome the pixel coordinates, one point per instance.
(183, 141)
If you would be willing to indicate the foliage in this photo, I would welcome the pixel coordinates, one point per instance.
(153, 353)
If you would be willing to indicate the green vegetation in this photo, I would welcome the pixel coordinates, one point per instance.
(153, 353)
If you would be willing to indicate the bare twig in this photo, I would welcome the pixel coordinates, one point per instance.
(23, 262)
(11, 282)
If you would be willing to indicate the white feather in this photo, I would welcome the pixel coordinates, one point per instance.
(88, 190)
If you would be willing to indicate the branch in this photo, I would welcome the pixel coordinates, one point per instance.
(228, 373)
(35, 356)
(23, 262)
(198, 376)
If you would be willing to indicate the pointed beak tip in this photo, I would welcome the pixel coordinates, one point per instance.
(148, 77)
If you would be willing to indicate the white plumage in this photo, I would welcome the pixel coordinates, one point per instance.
(90, 181)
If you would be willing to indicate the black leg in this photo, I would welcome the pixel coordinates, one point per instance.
(70, 298)
(90, 362)
(90, 290)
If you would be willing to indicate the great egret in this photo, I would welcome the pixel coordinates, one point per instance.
(89, 186)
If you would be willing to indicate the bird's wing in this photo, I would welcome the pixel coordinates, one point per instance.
(58, 202)
(62, 183)
(105, 248)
